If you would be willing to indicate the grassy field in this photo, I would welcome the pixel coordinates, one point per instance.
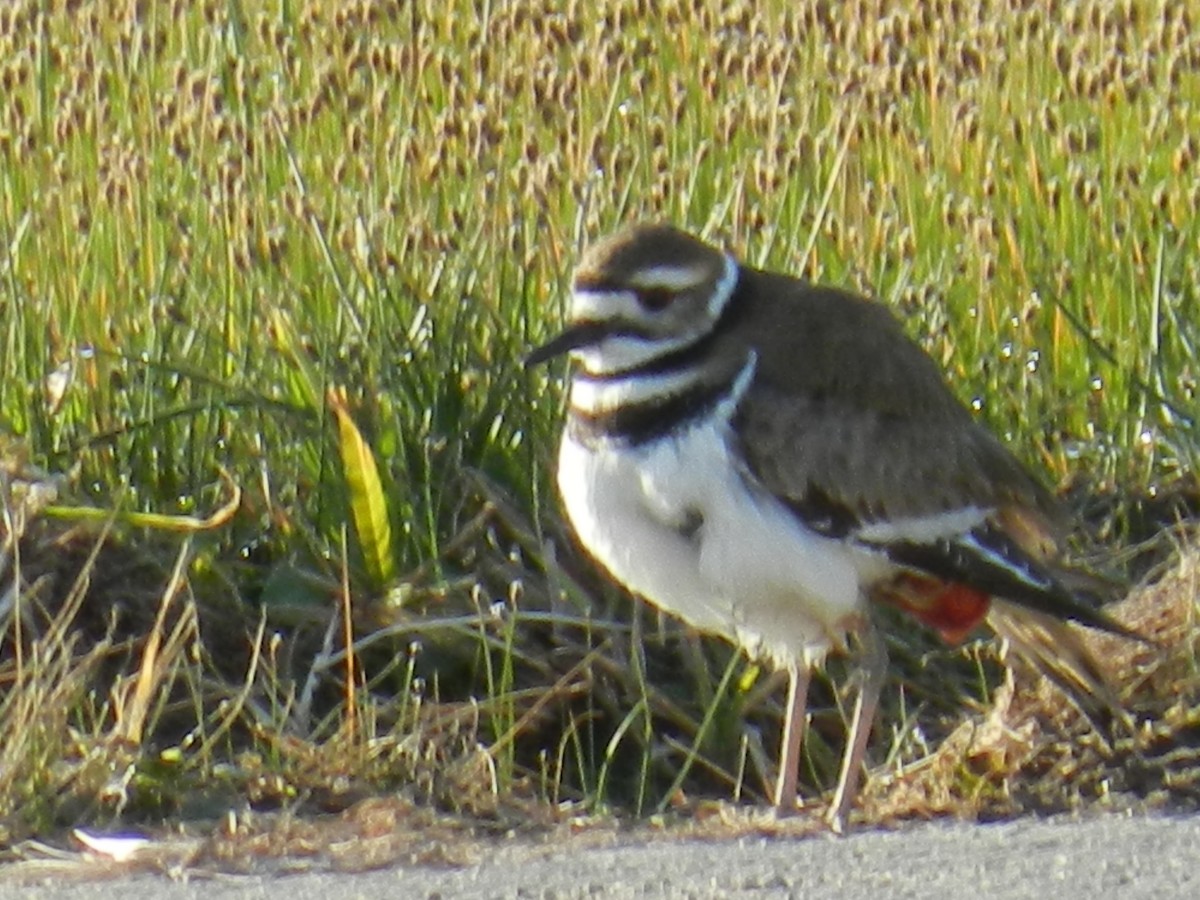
(279, 531)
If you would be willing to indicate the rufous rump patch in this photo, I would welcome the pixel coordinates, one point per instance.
(952, 610)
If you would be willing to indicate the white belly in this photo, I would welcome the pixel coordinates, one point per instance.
(674, 522)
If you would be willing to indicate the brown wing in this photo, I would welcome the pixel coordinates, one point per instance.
(851, 415)
(850, 424)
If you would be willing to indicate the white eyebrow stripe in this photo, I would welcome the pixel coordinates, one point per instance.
(672, 278)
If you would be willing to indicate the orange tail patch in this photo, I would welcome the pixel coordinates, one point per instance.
(952, 610)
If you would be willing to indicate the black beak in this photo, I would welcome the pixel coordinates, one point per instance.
(578, 335)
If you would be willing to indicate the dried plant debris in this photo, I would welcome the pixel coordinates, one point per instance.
(429, 793)
(1034, 751)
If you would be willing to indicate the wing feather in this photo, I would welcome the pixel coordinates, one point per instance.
(850, 416)
(851, 425)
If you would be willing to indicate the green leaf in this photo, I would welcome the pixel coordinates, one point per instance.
(303, 380)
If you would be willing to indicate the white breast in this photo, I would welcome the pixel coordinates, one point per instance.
(674, 521)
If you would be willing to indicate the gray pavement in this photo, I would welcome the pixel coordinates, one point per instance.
(1103, 856)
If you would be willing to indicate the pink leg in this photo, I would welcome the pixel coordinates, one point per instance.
(793, 736)
(874, 669)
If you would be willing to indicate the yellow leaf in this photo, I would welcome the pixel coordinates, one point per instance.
(368, 503)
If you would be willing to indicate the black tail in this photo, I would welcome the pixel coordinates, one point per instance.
(990, 561)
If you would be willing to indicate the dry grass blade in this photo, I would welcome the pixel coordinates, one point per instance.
(217, 519)
(161, 653)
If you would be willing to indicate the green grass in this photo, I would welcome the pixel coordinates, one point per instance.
(214, 214)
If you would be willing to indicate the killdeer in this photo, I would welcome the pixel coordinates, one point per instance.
(764, 458)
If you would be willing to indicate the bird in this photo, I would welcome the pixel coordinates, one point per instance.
(768, 459)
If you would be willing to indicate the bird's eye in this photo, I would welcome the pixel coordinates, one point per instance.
(655, 299)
